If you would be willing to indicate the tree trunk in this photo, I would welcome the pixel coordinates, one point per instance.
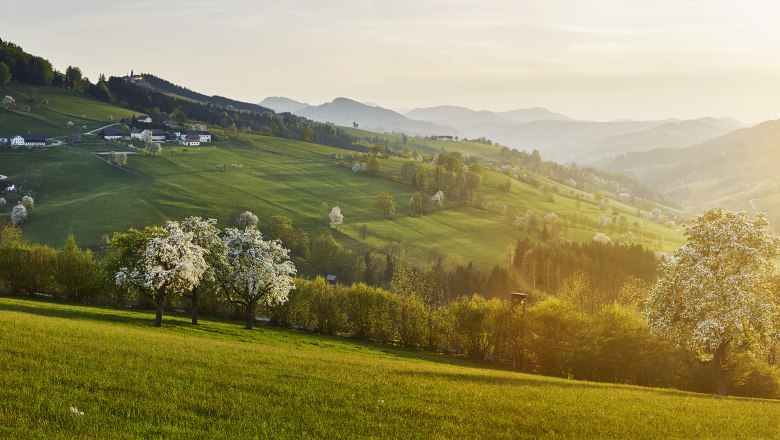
(721, 385)
(195, 299)
(250, 315)
(160, 300)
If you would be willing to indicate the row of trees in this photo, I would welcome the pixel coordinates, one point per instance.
(192, 258)
(548, 265)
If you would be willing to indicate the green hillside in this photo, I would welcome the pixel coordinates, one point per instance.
(216, 380)
(52, 119)
(78, 192)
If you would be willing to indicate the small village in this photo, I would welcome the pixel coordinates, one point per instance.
(145, 128)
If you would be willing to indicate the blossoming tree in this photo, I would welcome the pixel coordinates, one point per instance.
(206, 235)
(159, 262)
(336, 217)
(18, 214)
(715, 294)
(257, 271)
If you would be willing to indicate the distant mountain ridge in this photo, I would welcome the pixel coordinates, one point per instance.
(555, 135)
(445, 113)
(670, 134)
(737, 170)
(345, 112)
(280, 104)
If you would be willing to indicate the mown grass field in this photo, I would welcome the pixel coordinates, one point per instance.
(217, 380)
(64, 106)
(80, 193)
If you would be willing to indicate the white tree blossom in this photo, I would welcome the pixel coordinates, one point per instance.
(18, 214)
(438, 198)
(2, 201)
(172, 262)
(168, 265)
(118, 158)
(716, 294)
(257, 271)
(28, 202)
(602, 238)
(336, 217)
(247, 220)
(9, 101)
(206, 235)
(154, 148)
(604, 220)
(358, 167)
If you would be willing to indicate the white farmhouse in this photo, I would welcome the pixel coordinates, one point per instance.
(17, 141)
(190, 140)
(203, 136)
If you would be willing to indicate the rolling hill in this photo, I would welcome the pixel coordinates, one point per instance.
(80, 193)
(671, 134)
(737, 170)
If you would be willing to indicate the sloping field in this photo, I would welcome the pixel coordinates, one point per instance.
(216, 380)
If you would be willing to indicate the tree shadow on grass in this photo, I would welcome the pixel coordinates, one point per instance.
(527, 380)
(51, 309)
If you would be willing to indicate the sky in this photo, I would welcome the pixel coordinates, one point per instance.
(597, 60)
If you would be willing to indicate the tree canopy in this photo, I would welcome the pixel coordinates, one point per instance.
(715, 294)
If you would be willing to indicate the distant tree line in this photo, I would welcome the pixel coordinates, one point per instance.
(547, 265)
(23, 66)
(219, 101)
(260, 120)
(583, 178)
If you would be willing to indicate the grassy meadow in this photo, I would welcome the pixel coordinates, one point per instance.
(216, 380)
(64, 106)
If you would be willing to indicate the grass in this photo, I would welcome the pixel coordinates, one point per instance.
(217, 380)
(64, 106)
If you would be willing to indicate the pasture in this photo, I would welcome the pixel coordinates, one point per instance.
(216, 380)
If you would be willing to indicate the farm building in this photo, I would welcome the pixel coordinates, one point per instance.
(190, 140)
(157, 134)
(111, 134)
(203, 136)
(29, 140)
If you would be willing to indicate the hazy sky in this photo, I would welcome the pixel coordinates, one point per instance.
(588, 59)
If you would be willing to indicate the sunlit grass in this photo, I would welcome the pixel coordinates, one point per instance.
(217, 380)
